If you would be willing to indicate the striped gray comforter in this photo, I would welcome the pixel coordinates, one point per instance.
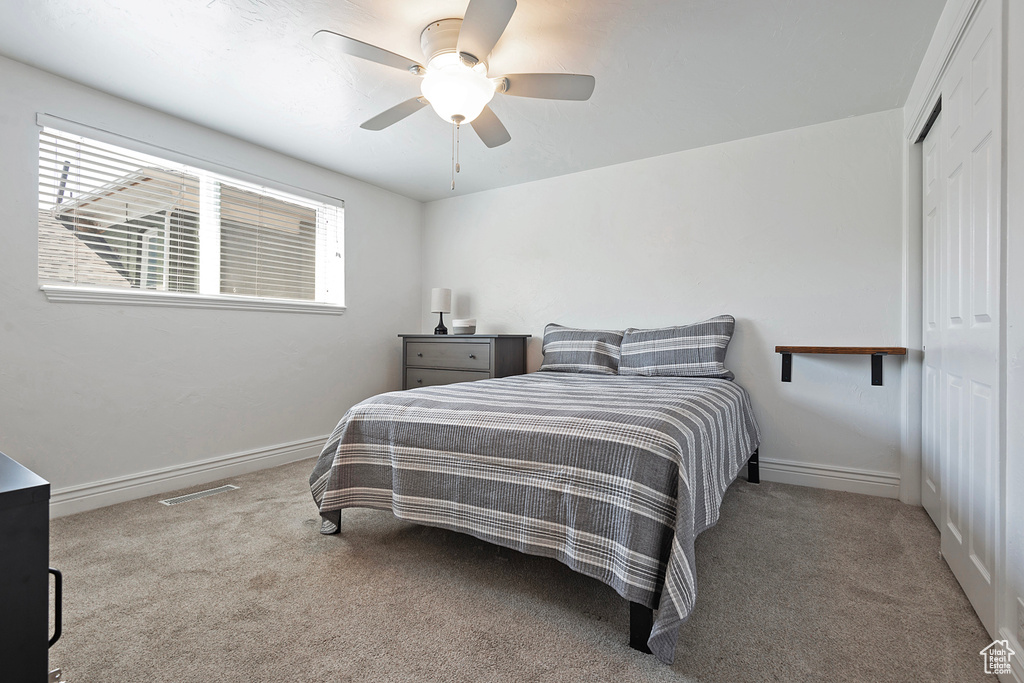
(613, 476)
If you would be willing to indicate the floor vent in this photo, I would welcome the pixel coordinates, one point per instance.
(198, 494)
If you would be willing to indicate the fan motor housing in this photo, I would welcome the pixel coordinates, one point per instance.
(439, 37)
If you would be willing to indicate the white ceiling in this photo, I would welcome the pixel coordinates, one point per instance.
(671, 75)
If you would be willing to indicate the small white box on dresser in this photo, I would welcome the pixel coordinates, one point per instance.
(464, 326)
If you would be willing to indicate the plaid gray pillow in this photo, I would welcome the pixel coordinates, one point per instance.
(696, 350)
(567, 349)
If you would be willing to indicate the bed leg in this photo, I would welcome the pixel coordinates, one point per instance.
(754, 469)
(330, 522)
(641, 619)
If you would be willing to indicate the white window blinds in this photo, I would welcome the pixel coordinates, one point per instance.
(112, 217)
(267, 245)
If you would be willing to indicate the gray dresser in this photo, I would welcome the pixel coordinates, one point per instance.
(432, 359)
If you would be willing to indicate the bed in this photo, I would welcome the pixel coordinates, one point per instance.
(612, 475)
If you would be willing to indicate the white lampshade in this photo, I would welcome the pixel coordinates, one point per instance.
(440, 300)
(454, 89)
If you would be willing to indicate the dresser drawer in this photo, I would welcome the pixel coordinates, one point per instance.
(425, 377)
(460, 355)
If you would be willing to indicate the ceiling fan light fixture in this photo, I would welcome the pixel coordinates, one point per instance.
(455, 81)
(456, 90)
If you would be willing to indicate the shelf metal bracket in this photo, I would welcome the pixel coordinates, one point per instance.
(876, 369)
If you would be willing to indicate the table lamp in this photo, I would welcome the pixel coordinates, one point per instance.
(440, 303)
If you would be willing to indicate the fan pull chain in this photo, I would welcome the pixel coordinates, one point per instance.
(456, 120)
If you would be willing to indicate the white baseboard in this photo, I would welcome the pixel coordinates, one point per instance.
(72, 499)
(831, 477)
(1017, 661)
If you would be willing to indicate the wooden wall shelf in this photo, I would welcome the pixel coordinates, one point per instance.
(876, 353)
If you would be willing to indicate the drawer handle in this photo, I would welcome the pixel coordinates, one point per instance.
(419, 355)
(472, 356)
(58, 602)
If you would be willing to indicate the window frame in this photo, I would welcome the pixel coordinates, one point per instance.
(94, 294)
(149, 236)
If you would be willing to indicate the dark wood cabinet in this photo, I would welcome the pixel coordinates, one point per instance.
(432, 359)
(24, 577)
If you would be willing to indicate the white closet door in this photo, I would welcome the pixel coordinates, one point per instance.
(932, 270)
(964, 352)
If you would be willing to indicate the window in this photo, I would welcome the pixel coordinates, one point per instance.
(112, 219)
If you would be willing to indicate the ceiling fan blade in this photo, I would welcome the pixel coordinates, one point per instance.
(483, 25)
(340, 44)
(490, 129)
(550, 86)
(395, 114)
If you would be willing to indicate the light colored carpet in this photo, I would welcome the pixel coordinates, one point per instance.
(794, 584)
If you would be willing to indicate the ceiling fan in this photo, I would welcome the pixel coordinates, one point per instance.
(455, 81)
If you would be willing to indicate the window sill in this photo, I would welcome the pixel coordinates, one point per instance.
(135, 297)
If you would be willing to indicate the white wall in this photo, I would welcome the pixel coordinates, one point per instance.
(95, 398)
(797, 234)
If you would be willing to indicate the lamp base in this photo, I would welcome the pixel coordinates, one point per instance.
(440, 329)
